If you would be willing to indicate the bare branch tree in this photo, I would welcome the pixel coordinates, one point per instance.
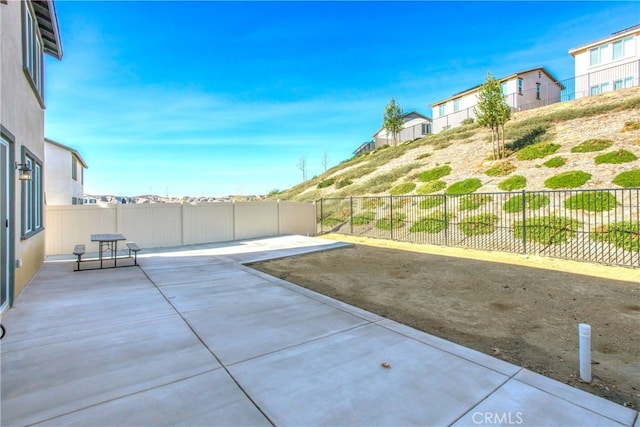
(325, 160)
(302, 165)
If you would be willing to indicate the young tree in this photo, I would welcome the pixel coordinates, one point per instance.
(493, 112)
(392, 120)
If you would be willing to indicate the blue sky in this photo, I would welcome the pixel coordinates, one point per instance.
(221, 98)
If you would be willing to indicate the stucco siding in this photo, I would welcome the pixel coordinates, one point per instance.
(22, 115)
(60, 187)
(608, 73)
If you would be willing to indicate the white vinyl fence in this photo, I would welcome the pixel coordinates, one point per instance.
(168, 225)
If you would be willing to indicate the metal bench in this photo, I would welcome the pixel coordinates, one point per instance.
(79, 251)
(133, 247)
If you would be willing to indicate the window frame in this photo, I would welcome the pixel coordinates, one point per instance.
(456, 105)
(74, 168)
(442, 110)
(32, 198)
(520, 86)
(32, 53)
(538, 91)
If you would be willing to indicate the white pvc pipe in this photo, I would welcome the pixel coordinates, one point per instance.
(585, 352)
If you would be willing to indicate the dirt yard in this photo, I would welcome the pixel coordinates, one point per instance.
(526, 316)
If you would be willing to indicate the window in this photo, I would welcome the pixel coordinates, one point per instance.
(456, 105)
(628, 82)
(604, 87)
(594, 90)
(520, 86)
(441, 110)
(623, 48)
(426, 128)
(538, 89)
(595, 55)
(31, 196)
(504, 88)
(74, 169)
(32, 51)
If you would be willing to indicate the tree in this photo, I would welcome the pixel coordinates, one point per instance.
(325, 160)
(493, 112)
(302, 165)
(392, 120)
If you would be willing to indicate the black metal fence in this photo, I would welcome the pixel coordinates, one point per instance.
(600, 226)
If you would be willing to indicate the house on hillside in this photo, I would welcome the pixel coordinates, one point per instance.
(365, 147)
(414, 126)
(29, 30)
(523, 90)
(64, 174)
(607, 64)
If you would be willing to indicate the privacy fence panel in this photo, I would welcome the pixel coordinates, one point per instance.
(586, 225)
(167, 225)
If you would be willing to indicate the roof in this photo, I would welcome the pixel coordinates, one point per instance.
(404, 116)
(617, 35)
(502, 79)
(72, 150)
(48, 24)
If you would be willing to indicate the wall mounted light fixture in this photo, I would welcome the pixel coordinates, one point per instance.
(25, 171)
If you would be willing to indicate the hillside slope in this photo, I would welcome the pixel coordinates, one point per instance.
(467, 151)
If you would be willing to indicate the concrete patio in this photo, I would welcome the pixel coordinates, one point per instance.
(193, 337)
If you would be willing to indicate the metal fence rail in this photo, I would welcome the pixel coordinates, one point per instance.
(600, 226)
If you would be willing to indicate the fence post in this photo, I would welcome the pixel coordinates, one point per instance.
(351, 215)
(524, 222)
(446, 220)
(391, 215)
(321, 217)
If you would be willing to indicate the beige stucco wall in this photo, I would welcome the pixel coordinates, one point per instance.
(22, 115)
(59, 186)
(169, 225)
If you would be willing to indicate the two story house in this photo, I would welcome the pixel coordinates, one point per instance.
(414, 126)
(28, 30)
(64, 174)
(610, 63)
(523, 90)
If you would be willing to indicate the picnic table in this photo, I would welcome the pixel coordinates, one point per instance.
(108, 242)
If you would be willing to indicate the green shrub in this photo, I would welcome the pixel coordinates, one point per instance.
(572, 179)
(630, 126)
(326, 183)
(592, 201)
(387, 223)
(514, 183)
(467, 121)
(435, 173)
(501, 169)
(431, 202)
(479, 224)
(591, 145)
(625, 235)
(464, 187)
(555, 162)
(432, 224)
(404, 188)
(531, 201)
(423, 156)
(548, 230)
(363, 218)
(431, 187)
(616, 157)
(343, 183)
(527, 132)
(537, 151)
(628, 179)
(474, 201)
